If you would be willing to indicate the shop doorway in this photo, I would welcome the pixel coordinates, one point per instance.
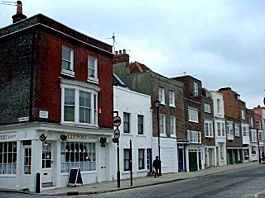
(103, 170)
(47, 164)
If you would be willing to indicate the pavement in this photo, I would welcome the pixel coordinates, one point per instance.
(110, 186)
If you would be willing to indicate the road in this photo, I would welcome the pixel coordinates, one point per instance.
(237, 183)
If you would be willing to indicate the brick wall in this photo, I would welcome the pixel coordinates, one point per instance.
(48, 70)
(17, 57)
(231, 105)
(15, 64)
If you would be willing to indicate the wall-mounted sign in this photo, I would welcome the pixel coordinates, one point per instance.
(8, 136)
(116, 121)
(117, 133)
(72, 136)
(43, 114)
(43, 137)
(23, 119)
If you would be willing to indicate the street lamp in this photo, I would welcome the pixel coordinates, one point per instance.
(157, 104)
(257, 129)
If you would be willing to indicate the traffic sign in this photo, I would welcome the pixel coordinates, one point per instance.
(116, 121)
(117, 133)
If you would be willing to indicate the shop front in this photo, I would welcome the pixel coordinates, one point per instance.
(52, 151)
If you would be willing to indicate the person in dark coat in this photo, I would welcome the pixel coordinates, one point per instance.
(156, 165)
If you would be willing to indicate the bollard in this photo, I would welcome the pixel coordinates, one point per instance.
(37, 182)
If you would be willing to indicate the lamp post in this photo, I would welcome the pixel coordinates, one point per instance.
(157, 104)
(257, 129)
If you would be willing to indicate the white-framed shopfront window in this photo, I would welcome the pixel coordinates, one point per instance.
(78, 155)
(8, 158)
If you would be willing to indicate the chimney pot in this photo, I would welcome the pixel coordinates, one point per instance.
(116, 52)
(120, 52)
(124, 51)
(19, 15)
(19, 7)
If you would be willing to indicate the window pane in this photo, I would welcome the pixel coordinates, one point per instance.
(66, 65)
(69, 96)
(66, 53)
(69, 113)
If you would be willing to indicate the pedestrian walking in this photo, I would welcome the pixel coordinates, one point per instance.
(156, 165)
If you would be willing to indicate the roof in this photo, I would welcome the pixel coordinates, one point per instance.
(137, 67)
(117, 81)
(46, 22)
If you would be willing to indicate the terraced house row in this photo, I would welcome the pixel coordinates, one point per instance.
(59, 91)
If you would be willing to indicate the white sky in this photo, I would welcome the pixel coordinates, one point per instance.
(220, 42)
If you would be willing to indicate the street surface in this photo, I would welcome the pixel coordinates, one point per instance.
(237, 183)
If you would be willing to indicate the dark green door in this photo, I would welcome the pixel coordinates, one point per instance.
(193, 161)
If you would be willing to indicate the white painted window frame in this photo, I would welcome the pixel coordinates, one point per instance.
(193, 115)
(94, 116)
(172, 124)
(69, 72)
(161, 95)
(95, 68)
(171, 96)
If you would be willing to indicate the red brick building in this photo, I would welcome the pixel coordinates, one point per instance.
(238, 142)
(56, 101)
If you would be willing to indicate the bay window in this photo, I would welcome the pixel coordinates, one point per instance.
(79, 105)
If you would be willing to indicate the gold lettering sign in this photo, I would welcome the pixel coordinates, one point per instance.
(72, 136)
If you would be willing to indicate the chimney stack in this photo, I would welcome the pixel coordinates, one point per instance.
(121, 56)
(19, 15)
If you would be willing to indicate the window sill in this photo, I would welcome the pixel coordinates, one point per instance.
(173, 106)
(142, 171)
(68, 73)
(193, 121)
(209, 136)
(77, 124)
(127, 134)
(8, 175)
(140, 135)
(93, 80)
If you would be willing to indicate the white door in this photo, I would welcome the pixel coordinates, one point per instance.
(47, 166)
(102, 165)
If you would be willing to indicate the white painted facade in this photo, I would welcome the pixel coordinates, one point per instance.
(30, 150)
(133, 104)
(168, 153)
(219, 126)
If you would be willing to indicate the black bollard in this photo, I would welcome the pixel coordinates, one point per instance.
(37, 182)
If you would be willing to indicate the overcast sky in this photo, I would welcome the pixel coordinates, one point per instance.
(220, 42)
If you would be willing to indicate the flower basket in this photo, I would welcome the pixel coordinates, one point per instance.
(103, 141)
(63, 137)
